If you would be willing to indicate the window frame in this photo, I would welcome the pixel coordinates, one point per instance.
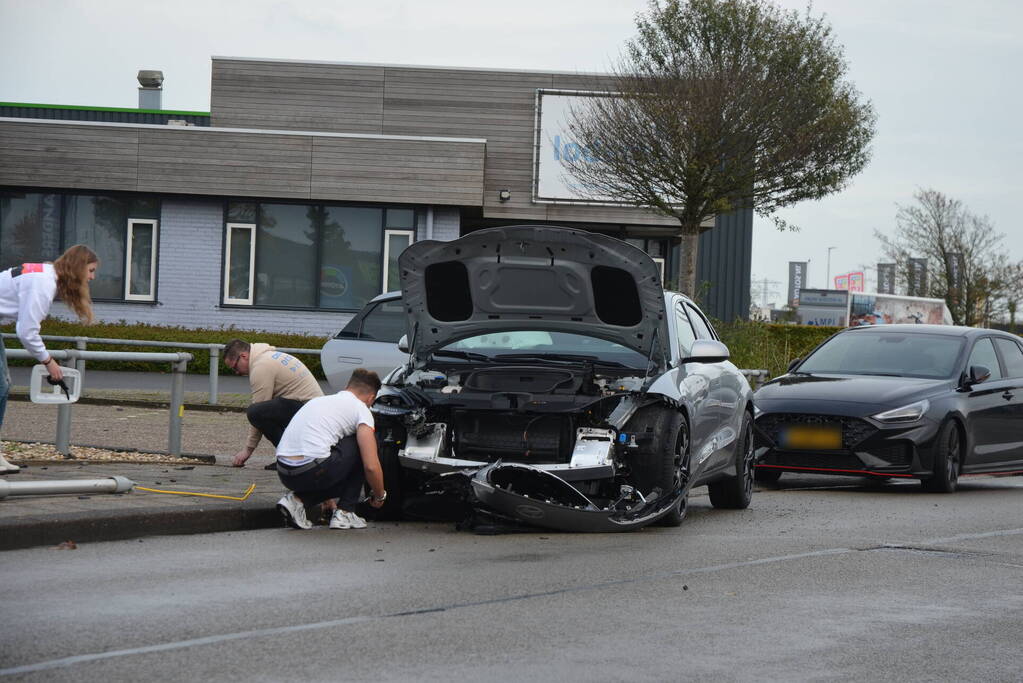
(229, 227)
(994, 349)
(128, 251)
(999, 342)
(411, 234)
(659, 260)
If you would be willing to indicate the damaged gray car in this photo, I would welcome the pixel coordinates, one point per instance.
(553, 383)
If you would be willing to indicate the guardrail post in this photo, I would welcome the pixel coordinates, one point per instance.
(177, 406)
(214, 373)
(82, 344)
(62, 441)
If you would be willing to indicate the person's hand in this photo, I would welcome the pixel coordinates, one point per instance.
(240, 457)
(377, 503)
(53, 369)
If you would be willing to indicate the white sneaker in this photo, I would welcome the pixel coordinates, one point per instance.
(357, 522)
(339, 520)
(293, 511)
(346, 520)
(6, 467)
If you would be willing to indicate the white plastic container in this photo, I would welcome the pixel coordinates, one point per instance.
(40, 391)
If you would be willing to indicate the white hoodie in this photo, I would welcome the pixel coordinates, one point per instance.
(26, 299)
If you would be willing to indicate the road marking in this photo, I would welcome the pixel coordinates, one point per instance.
(298, 628)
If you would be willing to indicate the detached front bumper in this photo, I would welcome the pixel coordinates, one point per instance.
(537, 497)
(869, 448)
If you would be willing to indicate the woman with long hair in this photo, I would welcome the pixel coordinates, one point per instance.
(26, 293)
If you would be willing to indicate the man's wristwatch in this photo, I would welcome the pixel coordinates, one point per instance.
(380, 498)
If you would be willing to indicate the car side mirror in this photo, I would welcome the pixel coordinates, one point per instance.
(707, 351)
(977, 374)
(793, 363)
(403, 343)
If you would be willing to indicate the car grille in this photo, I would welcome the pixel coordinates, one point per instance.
(900, 454)
(814, 460)
(854, 430)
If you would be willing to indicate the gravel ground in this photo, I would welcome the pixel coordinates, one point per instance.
(19, 453)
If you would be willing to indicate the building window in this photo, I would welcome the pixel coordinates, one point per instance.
(312, 256)
(240, 261)
(122, 230)
(29, 228)
(140, 280)
(395, 242)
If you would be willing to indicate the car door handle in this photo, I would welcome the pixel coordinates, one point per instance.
(1008, 395)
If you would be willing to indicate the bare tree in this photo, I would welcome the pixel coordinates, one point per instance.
(718, 105)
(966, 263)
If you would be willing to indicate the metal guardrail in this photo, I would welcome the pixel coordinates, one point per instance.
(179, 364)
(81, 344)
(756, 377)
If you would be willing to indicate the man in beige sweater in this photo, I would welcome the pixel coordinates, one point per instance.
(280, 385)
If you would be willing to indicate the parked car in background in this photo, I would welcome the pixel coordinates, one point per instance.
(930, 402)
(553, 382)
(369, 340)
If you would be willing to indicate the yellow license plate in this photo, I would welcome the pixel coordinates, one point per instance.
(812, 438)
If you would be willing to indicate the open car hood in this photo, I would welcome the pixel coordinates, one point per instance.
(529, 277)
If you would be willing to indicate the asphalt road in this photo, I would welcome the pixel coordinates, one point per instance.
(823, 579)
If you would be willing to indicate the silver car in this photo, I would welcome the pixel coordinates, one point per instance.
(552, 382)
(369, 340)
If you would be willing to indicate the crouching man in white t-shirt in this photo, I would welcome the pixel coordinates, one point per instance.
(329, 451)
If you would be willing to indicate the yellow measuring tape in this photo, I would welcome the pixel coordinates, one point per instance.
(203, 495)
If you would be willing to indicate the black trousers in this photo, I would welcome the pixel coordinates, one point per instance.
(340, 476)
(272, 417)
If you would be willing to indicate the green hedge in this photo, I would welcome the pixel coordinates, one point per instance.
(201, 358)
(756, 345)
(753, 345)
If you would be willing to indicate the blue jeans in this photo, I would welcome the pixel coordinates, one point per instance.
(5, 381)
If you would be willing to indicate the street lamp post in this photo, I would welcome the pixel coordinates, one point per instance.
(827, 277)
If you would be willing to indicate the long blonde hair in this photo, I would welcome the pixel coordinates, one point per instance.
(73, 280)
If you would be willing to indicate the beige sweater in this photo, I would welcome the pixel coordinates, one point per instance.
(275, 374)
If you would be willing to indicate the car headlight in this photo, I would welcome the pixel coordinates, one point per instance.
(910, 413)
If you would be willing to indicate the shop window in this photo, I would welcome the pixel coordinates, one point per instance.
(122, 230)
(312, 256)
(29, 228)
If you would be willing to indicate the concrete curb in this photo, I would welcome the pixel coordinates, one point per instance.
(115, 525)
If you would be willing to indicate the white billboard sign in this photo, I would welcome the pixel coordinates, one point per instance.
(552, 182)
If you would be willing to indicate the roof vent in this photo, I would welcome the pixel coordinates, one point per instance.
(151, 92)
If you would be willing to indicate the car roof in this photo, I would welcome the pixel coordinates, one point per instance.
(947, 330)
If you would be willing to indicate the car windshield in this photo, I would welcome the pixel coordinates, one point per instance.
(885, 353)
(525, 345)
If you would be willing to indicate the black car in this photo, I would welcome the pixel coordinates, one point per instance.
(930, 402)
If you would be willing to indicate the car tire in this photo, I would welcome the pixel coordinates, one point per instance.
(661, 462)
(736, 492)
(393, 478)
(766, 476)
(948, 459)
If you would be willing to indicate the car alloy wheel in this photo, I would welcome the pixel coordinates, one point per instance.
(947, 460)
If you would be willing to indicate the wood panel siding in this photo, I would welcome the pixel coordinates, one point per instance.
(498, 105)
(226, 162)
(72, 156)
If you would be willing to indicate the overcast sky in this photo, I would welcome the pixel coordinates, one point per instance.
(944, 76)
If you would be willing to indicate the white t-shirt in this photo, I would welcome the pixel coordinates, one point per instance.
(319, 424)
